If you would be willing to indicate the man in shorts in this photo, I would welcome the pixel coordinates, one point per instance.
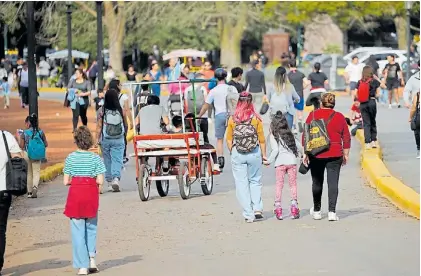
(300, 82)
(353, 73)
(392, 73)
(224, 99)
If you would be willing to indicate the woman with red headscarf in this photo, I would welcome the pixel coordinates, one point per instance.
(246, 142)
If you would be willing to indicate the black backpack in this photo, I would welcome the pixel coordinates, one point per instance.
(16, 173)
(316, 137)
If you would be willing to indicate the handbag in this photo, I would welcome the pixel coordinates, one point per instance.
(415, 122)
(264, 109)
(303, 168)
(16, 173)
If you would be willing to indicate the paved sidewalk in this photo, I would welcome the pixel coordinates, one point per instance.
(54, 119)
(398, 144)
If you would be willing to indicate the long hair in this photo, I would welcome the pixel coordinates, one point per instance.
(33, 121)
(111, 101)
(281, 79)
(245, 109)
(282, 133)
(367, 73)
(82, 73)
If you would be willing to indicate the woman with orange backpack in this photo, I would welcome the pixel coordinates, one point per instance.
(368, 89)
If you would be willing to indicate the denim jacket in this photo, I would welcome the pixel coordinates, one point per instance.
(73, 99)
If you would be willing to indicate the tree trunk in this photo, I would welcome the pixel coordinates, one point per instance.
(115, 23)
(400, 25)
(230, 47)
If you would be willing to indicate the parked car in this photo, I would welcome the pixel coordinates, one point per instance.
(362, 51)
(381, 57)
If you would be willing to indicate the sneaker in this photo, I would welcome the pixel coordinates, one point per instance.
(82, 271)
(109, 187)
(295, 211)
(278, 213)
(374, 144)
(221, 162)
(29, 195)
(92, 266)
(332, 216)
(165, 167)
(316, 215)
(125, 160)
(418, 154)
(216, 167)
(34, 192)
(368, 146)
(115, 186)
(390, 106)
(258, 215)
(248, 220)
(399, 105)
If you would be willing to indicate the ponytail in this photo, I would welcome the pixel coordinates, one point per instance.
(317, 67)
(33, 121)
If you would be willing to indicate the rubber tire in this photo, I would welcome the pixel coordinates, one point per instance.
(205, 166)
(143, 196)
(160, 188)
(183, 194)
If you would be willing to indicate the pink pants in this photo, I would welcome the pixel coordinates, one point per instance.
(292, 178)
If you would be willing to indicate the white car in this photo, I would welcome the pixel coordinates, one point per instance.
(381, 57)
(362, 51)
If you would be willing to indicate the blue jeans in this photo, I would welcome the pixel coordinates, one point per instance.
(384, 96)
(247, 171)
(290, 120)
(83, 241)
(112, 152)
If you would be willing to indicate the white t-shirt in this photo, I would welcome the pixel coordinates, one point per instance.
(354, 71)
(122, 98)
(13, 148)
(218, 97)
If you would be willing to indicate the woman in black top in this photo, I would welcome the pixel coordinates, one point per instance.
(131, 73)
(318, 82)
(369, 108)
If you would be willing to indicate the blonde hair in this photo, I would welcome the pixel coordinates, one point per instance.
(281, 81)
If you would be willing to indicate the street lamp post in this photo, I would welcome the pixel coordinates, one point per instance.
(408, 5)
(32, 74)
(99, 45)
(69, 41)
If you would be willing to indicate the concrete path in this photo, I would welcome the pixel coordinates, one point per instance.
(398, 144)
(206, 235)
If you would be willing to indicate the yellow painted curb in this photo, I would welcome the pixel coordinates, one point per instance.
(51, 172)
(51, 90)
(387, 185)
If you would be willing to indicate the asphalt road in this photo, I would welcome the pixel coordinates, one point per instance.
(206, 235)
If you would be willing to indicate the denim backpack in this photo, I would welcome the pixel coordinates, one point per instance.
(35, 146)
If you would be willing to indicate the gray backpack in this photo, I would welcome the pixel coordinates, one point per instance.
(200, 99)
(112, 124)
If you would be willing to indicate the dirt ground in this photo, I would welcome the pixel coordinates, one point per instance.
(55, 120)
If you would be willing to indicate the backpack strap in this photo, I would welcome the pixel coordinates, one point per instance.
(330, 117)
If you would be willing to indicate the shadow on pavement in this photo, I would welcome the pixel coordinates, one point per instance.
(37, 246)
(25, 269)
(119, 262)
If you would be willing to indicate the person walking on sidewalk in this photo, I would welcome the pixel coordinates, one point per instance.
(6, 89)
(353, 74)
(368, 89)
(79, 92)
(255, 84)
(414, 119)
(330, 160)
(412, 86)
(34, 143)
(318, 81)
(5, 197)
(300, 82)
(23, 84)
(83, 172)
(110, 129)
(285, 150)
(246, 142)
(283, 96)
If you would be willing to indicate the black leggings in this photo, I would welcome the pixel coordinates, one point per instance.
(369, 112)
(417, 138)
(204, 128)
(333, 167)
(81, 111)
(126, 129)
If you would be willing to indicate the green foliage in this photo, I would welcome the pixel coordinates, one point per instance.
(332, 49)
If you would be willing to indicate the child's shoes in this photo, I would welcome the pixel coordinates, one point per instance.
(295, 211)
(278, 213)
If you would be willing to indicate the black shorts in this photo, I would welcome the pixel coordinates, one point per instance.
(392, 84)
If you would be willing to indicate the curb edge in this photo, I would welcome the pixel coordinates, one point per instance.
(388, 186)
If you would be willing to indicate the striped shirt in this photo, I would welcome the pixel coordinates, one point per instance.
(84, 164)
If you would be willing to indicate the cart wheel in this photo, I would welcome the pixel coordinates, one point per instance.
(184, 180)
(206, 176)
(162, 187)
(143, 183)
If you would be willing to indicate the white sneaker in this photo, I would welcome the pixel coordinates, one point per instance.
(316, 215)
(82, 271)
(390, 106)
(249, 220)
(374, 144)
(216, 167)
(92, 266)
(418, 154)
(332, 216)
(114, 185)
(109, 187)
(368, 146)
